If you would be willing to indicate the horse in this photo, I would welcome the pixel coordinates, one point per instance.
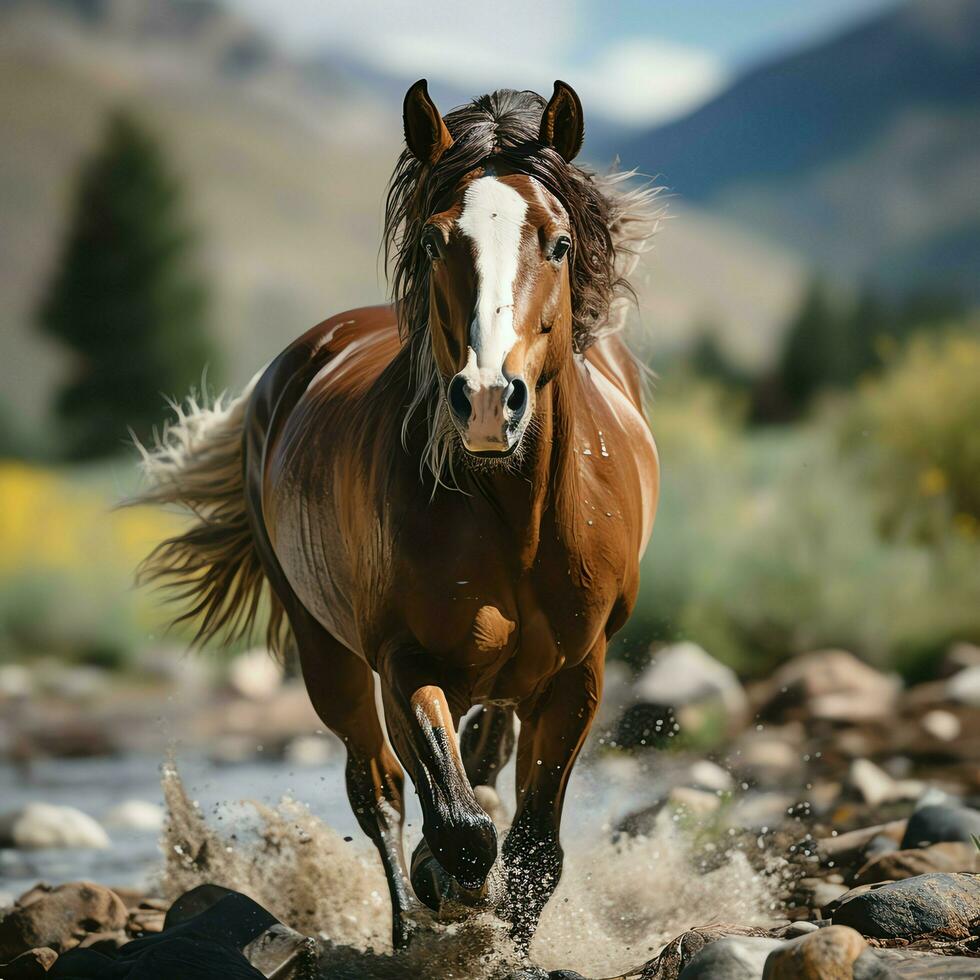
(450, 493)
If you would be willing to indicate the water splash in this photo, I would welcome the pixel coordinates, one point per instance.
(616, 906)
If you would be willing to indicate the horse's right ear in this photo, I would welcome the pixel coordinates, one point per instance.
(425, 131)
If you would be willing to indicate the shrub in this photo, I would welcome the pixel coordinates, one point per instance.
(918, 429)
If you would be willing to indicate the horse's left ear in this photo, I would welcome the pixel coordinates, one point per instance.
(425, 130)
(562, 125)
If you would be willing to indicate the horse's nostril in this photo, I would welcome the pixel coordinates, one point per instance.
(459, 402)
(517, 399)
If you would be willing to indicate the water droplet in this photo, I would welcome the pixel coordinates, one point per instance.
(589, 523)
(586, 452)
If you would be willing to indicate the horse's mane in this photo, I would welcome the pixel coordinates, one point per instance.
(611, 223)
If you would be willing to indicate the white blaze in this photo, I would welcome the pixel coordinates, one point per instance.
(492, 218)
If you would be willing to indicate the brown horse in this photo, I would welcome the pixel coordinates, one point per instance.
(452, 493)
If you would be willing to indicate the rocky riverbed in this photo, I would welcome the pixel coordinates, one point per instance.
(818, 824)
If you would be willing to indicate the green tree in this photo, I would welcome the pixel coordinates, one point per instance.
(126, 296)
(811, 353)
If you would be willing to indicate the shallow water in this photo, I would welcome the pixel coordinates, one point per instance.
(615, 907)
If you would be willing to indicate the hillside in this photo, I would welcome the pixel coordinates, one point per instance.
(285, 167)
(862, 152)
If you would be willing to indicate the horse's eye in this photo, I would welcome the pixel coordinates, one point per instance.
(432, 243)
(560, 249)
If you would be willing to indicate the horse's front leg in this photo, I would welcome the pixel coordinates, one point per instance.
(551, 737)
(460, 840)
(341, 688)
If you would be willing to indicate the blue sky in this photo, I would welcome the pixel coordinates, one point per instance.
(636, 61)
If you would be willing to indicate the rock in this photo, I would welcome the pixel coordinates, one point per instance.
(830, 685)
(696, 802)
(827, 954)
(768, 759)
(941, 724)
(960, 656)
(187, 958)
(876, 786)
(255, 675)
(946, 904)
(734, 958)
(680, 952)
(105, 942)
(964, 687)
(281, 952)
(40, 825)
(934, 824)
(34, 963)
(59, 918)
(135, 815)
(869, 966)
(762, 811)
(79, 682)
(850, 848)
(646, 725)
(817, 893)
(308, 751)
(947, 856)
(913, 965)
(16, 681)
(706, 775)
(144, 920)
(684, 680)
(267, 944)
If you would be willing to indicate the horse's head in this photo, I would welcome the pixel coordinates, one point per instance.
(500, 303)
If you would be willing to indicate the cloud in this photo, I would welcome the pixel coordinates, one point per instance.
(646, 80)
(475, 48)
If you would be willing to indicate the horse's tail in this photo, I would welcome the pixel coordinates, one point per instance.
(213, 568)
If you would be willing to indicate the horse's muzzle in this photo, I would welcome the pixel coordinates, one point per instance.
(490, 417)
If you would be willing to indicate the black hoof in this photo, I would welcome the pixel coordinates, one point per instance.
(442, 893)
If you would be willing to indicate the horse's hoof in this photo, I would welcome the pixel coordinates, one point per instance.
(442, 893)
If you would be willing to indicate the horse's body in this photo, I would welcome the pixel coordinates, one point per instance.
(501, 588)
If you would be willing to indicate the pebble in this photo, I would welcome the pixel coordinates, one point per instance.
(933, 824)
(827, 954)
(734, 958)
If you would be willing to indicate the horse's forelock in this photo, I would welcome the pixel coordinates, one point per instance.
(502, 126)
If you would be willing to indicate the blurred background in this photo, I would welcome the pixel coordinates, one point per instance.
(192, 182)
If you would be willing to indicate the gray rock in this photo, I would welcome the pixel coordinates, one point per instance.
(869, 966)
(903, 964)
(734, 958)
(940, 903)
(934, 824)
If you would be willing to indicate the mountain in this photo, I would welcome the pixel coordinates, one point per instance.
(862, 152)
(285, 164)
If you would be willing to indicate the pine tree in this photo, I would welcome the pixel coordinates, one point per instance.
(125, 297)
(811, 349)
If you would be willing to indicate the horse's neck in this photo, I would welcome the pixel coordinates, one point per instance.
(548, 476)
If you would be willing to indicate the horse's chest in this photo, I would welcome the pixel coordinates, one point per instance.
(508, 630)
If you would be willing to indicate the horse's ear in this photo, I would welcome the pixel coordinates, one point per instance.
(562, 125)
(425, 130)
